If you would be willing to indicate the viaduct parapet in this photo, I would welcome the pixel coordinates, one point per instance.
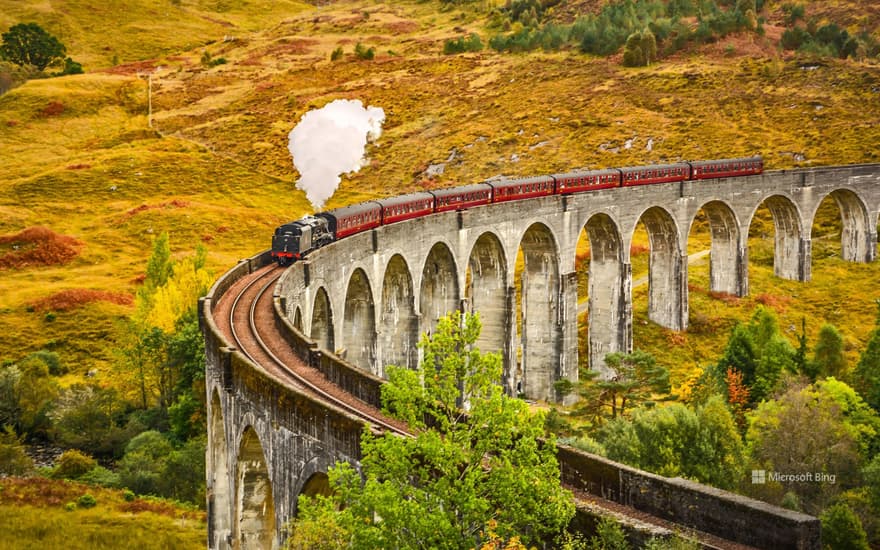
(370, 295)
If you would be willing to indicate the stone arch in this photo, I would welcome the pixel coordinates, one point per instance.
(667, 273)
(727, 256)
(487, 292)
(439, 293)
(322, 321)
(399, 324)
(541, 334)
(359, 322)
(219, 502)
(791, 253)
(317, 484)
(298, 319)
(856, 240)
(254, 503)
(609, 318)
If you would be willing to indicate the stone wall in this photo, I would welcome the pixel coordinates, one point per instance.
(721, 513)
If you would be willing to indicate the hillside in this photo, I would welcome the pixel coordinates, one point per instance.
(81, 159)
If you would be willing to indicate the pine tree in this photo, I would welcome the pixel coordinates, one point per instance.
(800, 358)
(633, 56)
(828, 355)
(741, 354)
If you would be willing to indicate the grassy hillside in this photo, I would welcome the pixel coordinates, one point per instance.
(42, 513)
(101, 34)
(81, 160)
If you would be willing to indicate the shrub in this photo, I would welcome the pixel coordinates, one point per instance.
(101, 477)
(86, 501)
(72, 464)
(470, 44)
(337, 54)
(609, 536)
(362, 52)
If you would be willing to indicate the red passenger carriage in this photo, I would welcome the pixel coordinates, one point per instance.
(354, 219)
(655, 173)
(576, 182)
(522, 188)
(459, 198)
(725, 168)
(405, 207)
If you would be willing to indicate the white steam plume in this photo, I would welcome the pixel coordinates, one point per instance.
(331, 141)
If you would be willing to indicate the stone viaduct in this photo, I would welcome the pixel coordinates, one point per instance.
(369, 296)
(372, 295)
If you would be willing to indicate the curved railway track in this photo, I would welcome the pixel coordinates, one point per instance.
(246, 315)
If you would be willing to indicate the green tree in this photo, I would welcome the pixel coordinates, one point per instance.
(867, 372)
(634, 380)
(30, 44)
(474, 457)
(804, 430)
(609, 536)
(633, 55)
(91, 419)
(801, 364)
(27, 393)
(162, 355)
(13, 460)
(842, 530)
(741, 354)
(143, 466)
(871, 475)
(777, 356)
(828, 355)
(677, 441)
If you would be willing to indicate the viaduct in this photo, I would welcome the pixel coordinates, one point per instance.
(362, 302)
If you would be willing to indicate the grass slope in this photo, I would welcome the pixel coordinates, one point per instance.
(36, 513)
(81, 159)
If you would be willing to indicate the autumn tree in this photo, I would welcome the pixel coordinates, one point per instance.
(30, 44)
(737, 396)
(162, 353)
(474, 457)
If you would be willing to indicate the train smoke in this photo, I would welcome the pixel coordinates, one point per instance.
(331, 141)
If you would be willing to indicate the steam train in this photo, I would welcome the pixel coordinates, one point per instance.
(294, 240)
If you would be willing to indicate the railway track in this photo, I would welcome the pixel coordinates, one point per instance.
(246, 315)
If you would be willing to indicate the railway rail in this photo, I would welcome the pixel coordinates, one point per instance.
(245, 314)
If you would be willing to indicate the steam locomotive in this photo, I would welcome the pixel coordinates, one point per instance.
(294, 240)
